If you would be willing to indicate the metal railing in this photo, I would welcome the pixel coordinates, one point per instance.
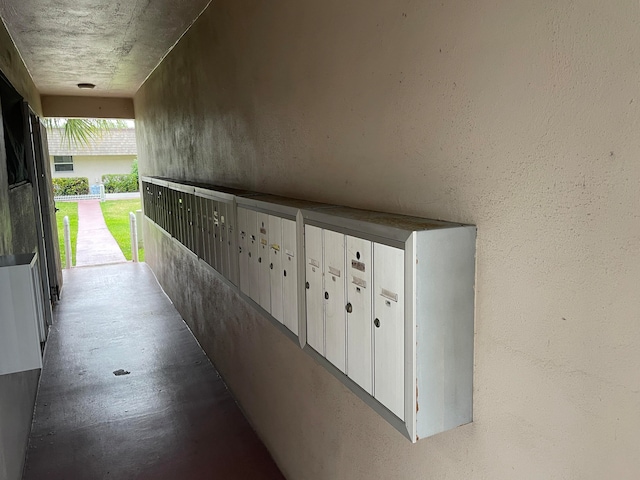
(134, 236)
(67, 242)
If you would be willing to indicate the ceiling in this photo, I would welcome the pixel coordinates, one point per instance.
(112, 44)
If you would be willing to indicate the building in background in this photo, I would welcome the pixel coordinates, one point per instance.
(114, 152)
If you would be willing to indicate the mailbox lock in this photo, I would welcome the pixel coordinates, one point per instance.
(376, 322)
(326, 295)
(306, 285)
(271, 266)
(259, 259)
(349, 308)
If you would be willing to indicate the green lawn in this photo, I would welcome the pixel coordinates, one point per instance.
(116, 216)
(67, 209)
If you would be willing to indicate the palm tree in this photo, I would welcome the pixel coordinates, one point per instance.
(82, 131)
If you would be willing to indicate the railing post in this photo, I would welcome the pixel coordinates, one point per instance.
(67, 242)
(139, 220)
(134, 236)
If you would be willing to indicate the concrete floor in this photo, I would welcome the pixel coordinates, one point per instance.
(171, 417)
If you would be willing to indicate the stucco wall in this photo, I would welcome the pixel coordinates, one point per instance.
(520, 117)
(23, 224)
(93, 167)
(17, 234)
(16, 72)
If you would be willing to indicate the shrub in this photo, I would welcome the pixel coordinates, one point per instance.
(70, 186)
(120, 182)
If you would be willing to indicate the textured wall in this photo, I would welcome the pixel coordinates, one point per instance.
(23, 226)
(17, 397)
(520, 117)
(87, 107)
(17, 391)
(14, 69)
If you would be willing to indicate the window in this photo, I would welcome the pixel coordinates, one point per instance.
(13, 129)
(63, 163)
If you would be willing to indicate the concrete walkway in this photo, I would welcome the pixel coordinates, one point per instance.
(126, 392)
(95, 245)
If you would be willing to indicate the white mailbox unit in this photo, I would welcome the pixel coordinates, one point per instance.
(199, 217)
(269, 257)
(215, 217)
(384, 302)
(390, 311)
(22, 322)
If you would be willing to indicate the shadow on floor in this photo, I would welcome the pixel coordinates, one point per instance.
(170, 417)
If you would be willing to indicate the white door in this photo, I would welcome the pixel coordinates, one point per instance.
(243, 251)
(254, 272)
(335, 311)
(314, 287)
(264, 276)
(275, 267)
(388, 330)
(359, 320)
(289, 275)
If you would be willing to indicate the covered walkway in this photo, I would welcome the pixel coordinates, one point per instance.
(126, 392)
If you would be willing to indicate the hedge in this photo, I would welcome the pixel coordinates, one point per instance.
(118, 183)
(70, 186)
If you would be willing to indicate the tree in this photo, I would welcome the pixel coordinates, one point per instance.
(82, 131)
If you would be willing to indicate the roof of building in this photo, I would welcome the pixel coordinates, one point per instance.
(117, 141)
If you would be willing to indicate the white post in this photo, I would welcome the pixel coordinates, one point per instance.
(139, 220)
(103, 196)
(67, 242)
(134, 236)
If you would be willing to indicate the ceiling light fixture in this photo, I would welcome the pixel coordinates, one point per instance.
(86, 85)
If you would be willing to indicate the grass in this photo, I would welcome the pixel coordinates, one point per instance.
(67, 209)
(116, 216)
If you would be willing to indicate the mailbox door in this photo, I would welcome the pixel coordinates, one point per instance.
(314, 287)
(290, 275)
(335, 312)
(359, 308)
(388, 310)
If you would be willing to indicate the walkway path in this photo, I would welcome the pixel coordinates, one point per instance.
(95, 245)
(126, 392)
